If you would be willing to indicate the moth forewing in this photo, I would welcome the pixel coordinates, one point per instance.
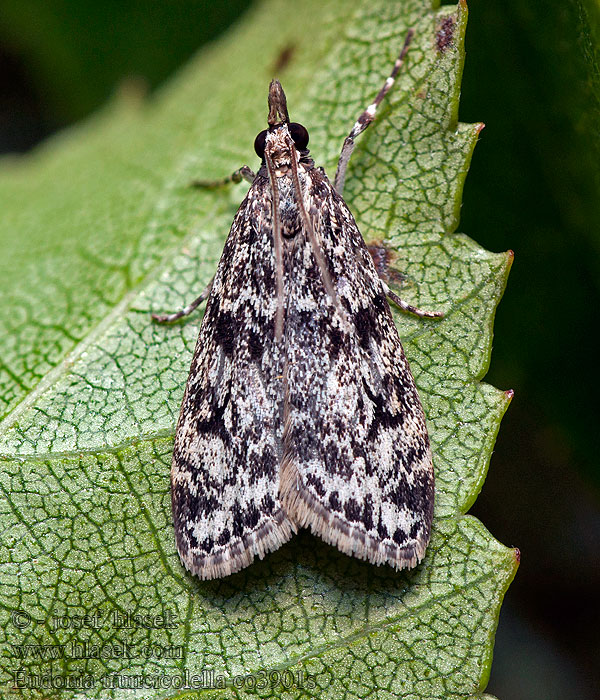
(357, 464)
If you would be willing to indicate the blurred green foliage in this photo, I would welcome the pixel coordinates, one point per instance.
(534, 187)
(76, 52)
(532, 75)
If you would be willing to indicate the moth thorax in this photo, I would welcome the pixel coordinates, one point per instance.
(279, 149)
(289, 213)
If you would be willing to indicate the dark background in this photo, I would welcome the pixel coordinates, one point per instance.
(532, 75)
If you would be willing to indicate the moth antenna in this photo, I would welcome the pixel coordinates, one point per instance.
(314, 239)
(276, 242)
(368, 116)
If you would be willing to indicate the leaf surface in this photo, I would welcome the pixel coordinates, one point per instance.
(99, 228)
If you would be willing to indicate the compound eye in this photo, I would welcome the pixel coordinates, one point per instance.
(259, 144)
(299, 134)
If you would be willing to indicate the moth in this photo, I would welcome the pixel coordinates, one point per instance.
(300, 409)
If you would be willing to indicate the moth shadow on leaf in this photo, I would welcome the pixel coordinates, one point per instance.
(315, 567)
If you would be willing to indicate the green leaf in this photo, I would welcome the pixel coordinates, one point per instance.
(99, 227)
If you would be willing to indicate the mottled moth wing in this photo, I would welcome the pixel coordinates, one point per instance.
(225, 469)
(357, 465)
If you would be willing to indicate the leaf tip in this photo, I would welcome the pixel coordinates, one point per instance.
(510, 258)
(132, 92)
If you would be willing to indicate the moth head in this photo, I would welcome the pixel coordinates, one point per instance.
(282, 137)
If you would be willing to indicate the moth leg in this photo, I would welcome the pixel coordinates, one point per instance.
(169, 318)
(367, 117)
(408, 307)
(243, 173)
